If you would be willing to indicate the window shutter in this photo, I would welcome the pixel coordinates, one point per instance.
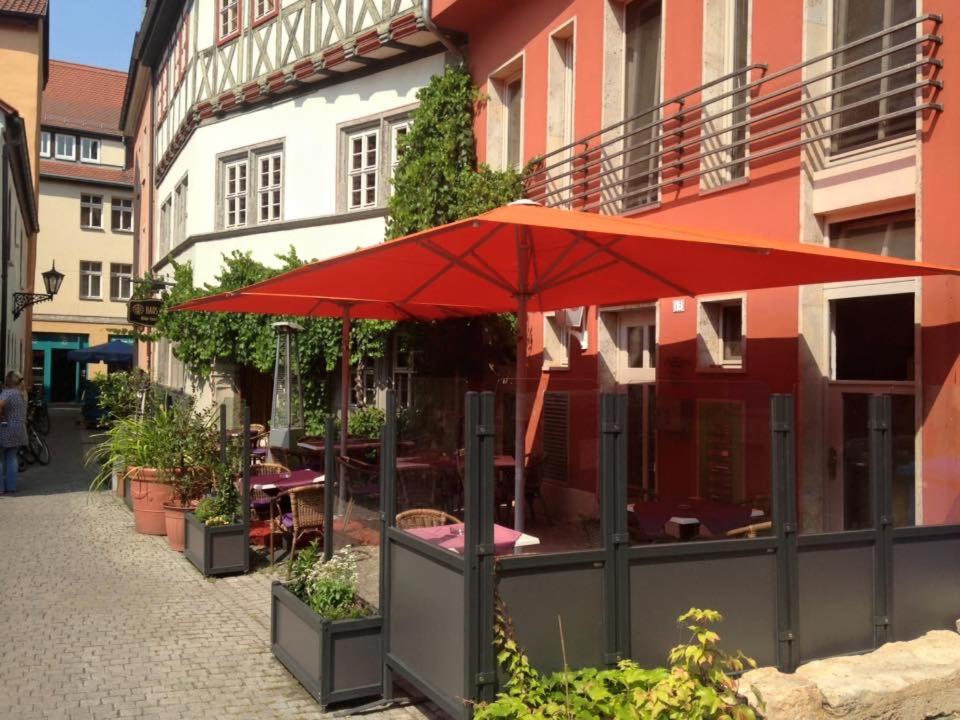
(556, 435)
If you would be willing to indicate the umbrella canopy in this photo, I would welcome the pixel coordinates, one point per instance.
(523, 256)
(114, 351)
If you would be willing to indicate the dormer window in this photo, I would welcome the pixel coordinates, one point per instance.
(66, 147)
(89, 150)
(45, 144)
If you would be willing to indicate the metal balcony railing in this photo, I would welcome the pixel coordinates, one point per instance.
(850, 97)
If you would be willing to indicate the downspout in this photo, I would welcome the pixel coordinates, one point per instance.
(150, 214)
(5, 244)
(438, 32)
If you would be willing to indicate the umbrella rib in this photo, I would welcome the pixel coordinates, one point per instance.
(452, 260)
(559, 259)
(562, 276)
(458, 261)
(635, 265)
(571, 276)
(492, 270)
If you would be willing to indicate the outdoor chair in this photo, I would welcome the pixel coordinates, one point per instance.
(362, 483)
(259, 500)
(305, 516)
(424, 518)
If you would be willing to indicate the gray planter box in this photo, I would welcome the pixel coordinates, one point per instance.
(217, 550)
(335, 660)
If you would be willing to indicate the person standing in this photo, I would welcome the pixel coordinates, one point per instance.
(13, 428)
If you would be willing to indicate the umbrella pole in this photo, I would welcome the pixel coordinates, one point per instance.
(344, 405)
(520, 429)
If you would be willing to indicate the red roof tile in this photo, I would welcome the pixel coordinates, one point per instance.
(24, 7)
(82, 97)
(85, 171)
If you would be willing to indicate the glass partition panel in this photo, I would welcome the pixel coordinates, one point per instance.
(698, 460)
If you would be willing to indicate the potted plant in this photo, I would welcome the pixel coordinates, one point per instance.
(117, 395)
(157, 450)
(323, 632)
(217, 541)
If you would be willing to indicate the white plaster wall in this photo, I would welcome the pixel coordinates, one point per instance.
(307, 124)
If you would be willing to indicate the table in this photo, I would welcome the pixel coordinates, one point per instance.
(714, 517)
(450, 537)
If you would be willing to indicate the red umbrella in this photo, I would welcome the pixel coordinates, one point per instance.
(505, 259)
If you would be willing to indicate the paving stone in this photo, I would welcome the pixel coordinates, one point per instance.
(100, 622)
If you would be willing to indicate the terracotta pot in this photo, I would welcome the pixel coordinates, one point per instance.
(150, 494)
(175, 520)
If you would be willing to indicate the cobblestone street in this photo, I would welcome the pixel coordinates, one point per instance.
(100, 622)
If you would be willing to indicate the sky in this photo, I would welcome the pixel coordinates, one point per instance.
(94, 32)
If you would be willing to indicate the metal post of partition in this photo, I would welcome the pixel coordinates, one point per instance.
(329, 482)
(245, 493)
(479, 555)
(613, 523)
(881, 501)
(783, 490)
(388, 518)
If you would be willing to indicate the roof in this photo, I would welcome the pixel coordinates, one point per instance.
(83, 97)
(100, 174)
(24, 7)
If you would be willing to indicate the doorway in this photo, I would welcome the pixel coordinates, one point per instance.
(642, 56)
(637, 376)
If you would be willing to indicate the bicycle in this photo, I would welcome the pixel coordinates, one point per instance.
(38, 411)
(36, 445)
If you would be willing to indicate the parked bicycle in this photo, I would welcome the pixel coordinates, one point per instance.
(37, 448)
(37, 410)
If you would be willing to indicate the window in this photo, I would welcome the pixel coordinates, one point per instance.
(90, 279)
(855, 19)
(91, 211)
(163, 245)
(121, 281)
(66, 147)
(180, 52)
(505, 115)
(269, 186)
(873, 338)
(642, 72)
(362, 169)
(365, 394)
(162, 92)
(122, 214)
(560, 112)
(893, 235)
(556, 340)
(228, 24)
(235, 193)
(263, 8)
(397, 131)
(403, 370)
(89, 150)
(44, 144)
(721, 334)
(180, 213)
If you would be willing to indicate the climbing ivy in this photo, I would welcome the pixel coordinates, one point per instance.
(245, 339)
(437, 180)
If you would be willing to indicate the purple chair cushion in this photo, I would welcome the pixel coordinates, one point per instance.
(286, 520)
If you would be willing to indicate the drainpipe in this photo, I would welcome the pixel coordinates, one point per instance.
(4, 243)
(438, 32)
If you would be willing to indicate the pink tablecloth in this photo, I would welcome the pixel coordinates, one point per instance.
(284, 481)
(450, 537)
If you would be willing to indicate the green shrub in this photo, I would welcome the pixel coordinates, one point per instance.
(331, 588)
(119, 394)
(366, 422)
(697, 686)
(224, 506)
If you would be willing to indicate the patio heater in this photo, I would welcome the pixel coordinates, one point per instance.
(286, 412)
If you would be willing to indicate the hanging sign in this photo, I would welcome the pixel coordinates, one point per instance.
(144, 312)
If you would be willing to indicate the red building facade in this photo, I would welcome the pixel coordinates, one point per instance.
(817, 121)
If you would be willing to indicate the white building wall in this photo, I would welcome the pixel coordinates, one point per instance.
(308, 126)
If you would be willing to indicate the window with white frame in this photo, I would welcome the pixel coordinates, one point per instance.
(66, 147)
(228, 21)
(235, 193)
(263, 8)
(121, 214)
(90, 276)
(397, 131)
(269, 186)
(365, 389)
(513, 121)
(362, 169)
(91, 211)
(180, 212)
(44, 144)
(720, 341)
(403, 369)
(163, 245)
(89, 150)
(505, 115)
(121, 281)
(556, 341)
(893, 234)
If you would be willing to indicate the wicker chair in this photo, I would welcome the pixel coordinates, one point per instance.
(258, 498)
(424, 518)
(306, 515)
(751, 531)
